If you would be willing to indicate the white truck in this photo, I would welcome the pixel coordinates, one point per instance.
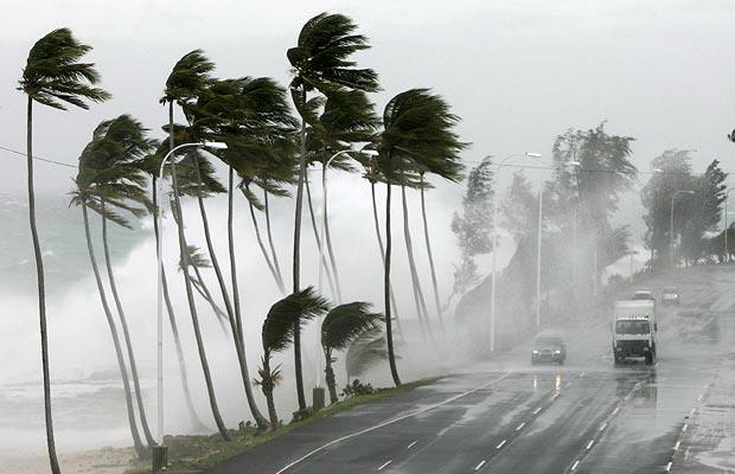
(634, 330)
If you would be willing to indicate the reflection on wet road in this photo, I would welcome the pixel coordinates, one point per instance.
(588, 416)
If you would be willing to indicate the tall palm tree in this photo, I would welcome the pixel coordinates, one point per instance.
(417, 128)
(99, 178)
(278, 334)
(342, 326)
(321, 62)
(253, 116)
(130, 146)
(187, 80)
(53, 76)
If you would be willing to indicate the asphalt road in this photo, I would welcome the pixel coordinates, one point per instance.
(507, 416)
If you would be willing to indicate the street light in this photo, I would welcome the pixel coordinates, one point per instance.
(727, 251)
(159, 251)
(671, 230)
(495, 249)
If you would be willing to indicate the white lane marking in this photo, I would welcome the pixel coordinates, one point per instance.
(617, 409)
(520, 427)
(583, 374)
(535, 412)
(390, 422)
(574, 466)
(502, 443)
(676, 446)
(555, 395)
(479, 466)
(668, 466)
(692, 412)
(589, 445)
(412, 445)
(385, 465)
(684, 428)
(603, 426)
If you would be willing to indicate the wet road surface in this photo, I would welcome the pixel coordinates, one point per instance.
(507, 416)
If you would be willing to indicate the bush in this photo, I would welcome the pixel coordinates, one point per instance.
(357, 388)
(301, 415)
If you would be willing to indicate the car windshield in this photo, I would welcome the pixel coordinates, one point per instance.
(642, 295)
(671, 290)
(548, 342)
(633, 327)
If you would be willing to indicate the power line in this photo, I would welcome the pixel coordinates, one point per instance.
(586, 170)
(38, 158)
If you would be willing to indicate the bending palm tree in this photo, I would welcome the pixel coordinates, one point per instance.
(188, 78)
(321, 63)
(53, 76)
(342, 326)
(417, 127)
(278, 334)
(96, 180)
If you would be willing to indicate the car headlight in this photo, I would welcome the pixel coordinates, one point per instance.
(535, 351)
(557, 352)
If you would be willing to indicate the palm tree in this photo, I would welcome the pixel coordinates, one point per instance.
(321, 63)
(278, 334)
(53, 76)
(253, 116)
(342, 326)
(130, 146)
(98, 178)
(417, 128)
(188, 78)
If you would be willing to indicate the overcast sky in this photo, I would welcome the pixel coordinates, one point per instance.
(517, 72)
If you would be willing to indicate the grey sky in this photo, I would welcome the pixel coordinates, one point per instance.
(517, 72)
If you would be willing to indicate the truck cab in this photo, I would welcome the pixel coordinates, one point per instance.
(634, 330)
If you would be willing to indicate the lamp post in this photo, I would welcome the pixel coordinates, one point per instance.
(727, 250)
(159, 251)
(495, 249)
(671, 229)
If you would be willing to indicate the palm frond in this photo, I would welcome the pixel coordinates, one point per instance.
(347, 322)
(297, 308)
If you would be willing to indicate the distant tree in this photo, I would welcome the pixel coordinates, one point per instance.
(365, 352)
(706, 212)
(53, 76)
(472, 227)
(520, 207)
(673, 174)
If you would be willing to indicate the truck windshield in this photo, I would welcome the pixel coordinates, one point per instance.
(632, 327)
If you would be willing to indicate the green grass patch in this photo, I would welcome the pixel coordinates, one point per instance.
(196, 453)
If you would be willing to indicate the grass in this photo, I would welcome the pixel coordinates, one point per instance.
(196, 453)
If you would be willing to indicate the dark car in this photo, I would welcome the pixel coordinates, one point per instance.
(670, 295)
(549, 348)
(643, 295)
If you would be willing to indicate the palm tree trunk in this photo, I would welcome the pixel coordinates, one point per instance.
(126, 334)
(38, 256)
(195, 421)
(382, 259)
(268, 384)
(270, 241)
(332, 287)
(386, 282)
(239, 335)
(272, 269)
(330, 377)
(297, 260)
(139, 448)
(415, 282)
(190, 295)
(431, 259)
